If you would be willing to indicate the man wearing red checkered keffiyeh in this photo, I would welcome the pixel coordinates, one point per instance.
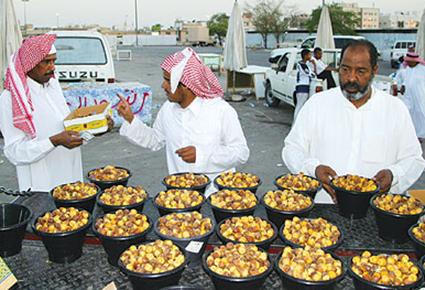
(200, 131)
(32, 110)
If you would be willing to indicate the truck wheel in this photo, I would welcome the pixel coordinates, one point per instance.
(270, 99)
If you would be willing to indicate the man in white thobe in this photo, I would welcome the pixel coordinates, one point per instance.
(200, 131)
(414, 95)
(355, 129)
(32, 110)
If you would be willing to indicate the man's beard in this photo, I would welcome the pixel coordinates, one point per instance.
(361, 91)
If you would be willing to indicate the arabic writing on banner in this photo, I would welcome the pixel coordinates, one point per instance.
(139, 97)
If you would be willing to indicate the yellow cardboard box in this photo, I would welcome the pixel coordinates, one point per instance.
(91, 119)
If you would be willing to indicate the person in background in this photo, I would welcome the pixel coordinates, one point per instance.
(322, 70)
(414, 95)
(304, 76)
(355, 129)
(200, 131)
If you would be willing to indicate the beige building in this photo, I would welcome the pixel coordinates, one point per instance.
(369, 17)
(408, 20)
(248, 25)
(194, 33)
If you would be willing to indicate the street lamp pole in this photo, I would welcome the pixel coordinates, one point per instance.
(25, 16)
(136, 21)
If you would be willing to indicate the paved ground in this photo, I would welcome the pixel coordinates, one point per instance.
(265, 129)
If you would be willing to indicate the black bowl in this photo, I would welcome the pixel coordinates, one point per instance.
(106, 184)
(223, 282)
(393, 227)
(330, 248)
(14, 219)
(112, 208)
(265, 245)
(115, 246)
(157, 281)
(278, 217)
(253, 189)
(200, 188)
(290, 282)
(418, 244)
(63, 247)
(222, 213)
(421, 262)
(363, 284)
(165, 210)
(193, 247)
(85, 203)
(312, 193)
(182, 287)
(353, 204)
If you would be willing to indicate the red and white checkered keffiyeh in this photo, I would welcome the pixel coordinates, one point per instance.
(32, 51)
(186, 67)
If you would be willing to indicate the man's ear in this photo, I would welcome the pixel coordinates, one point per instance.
(375, 69)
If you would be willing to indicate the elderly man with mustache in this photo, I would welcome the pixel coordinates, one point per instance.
(355, 129)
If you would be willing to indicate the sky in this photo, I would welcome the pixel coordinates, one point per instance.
(117, 12)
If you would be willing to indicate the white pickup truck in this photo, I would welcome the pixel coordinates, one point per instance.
(281, 78)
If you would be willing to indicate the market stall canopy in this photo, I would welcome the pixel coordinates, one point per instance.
(325, 37)
(420, 37)
(10, 36)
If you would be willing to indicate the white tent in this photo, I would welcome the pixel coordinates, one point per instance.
(325, 37)
(10, 36)
(420, 37)
(235, 47)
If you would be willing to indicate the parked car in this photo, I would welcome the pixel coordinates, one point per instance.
(399, 49)
(281, 78)
(83, 55)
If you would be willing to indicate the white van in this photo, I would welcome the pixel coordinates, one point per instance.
(83, 55)
(340, 42)
(399, 49)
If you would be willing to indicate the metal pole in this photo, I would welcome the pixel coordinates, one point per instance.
(25, 16)
(136, 21)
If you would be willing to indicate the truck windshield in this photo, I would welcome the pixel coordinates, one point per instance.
(80, 51)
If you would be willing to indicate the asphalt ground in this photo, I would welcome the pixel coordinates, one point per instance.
(265, 128)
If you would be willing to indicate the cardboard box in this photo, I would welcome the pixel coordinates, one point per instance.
(418, 193)
(7, 279)
(91, 119)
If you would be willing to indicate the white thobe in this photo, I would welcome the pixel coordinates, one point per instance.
(414, 97)
(331, 131)
(39, 165)
(210, 125)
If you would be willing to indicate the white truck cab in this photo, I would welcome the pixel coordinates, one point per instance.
(281, 78)
(83, 55)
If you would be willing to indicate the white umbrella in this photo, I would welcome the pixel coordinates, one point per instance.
(10, 35)
(234, 49)
(420, 37)
(325, 37)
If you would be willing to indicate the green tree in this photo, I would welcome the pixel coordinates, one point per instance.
(343, 22)
(218, 25)
(267, 17)
(156, 28)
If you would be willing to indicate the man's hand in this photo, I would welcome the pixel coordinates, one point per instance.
(188, 154)
(68, 139)
(110, 123)
(325, 174)
(124, 109)
(384, 178)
